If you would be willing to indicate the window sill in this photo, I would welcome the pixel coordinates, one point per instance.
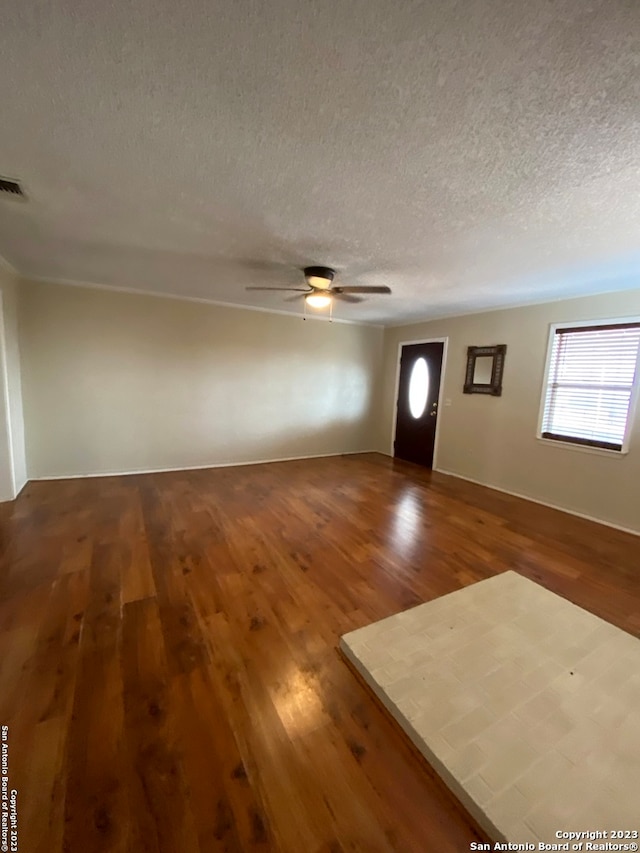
(582, 448)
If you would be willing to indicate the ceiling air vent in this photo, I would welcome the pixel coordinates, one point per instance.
(9, 187)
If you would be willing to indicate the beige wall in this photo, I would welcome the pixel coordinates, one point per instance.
(493, 439)
(119, 382)
(13, 474)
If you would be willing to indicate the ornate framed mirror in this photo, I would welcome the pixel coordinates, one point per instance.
(485, 366)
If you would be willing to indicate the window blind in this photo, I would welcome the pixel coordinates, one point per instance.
(589, 386)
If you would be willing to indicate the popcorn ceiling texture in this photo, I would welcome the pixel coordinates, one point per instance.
(526, 705)
(470, 154)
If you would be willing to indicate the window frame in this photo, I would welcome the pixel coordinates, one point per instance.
(568, 443)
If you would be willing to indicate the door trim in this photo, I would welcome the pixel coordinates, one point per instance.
(401, 344)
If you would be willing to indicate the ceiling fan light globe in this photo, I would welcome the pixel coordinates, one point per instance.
(318, 300)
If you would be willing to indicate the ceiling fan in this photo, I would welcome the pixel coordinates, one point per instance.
(320, 290)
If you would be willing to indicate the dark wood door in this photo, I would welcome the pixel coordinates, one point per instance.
(417, 404)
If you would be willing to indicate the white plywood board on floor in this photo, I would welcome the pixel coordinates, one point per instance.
(527, 705)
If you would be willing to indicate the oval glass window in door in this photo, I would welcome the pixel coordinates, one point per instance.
(418, 388)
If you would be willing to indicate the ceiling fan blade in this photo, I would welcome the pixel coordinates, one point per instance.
(363, 289)
(299, 289)
(346, 297)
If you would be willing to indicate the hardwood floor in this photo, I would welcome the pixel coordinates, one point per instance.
(169, 671)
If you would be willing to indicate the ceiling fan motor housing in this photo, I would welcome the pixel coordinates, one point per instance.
(321, 277)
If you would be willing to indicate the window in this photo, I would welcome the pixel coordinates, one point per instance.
(590, 384)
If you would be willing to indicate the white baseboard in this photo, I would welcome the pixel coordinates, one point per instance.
(196, 467)
(542, 503)
(20, 486)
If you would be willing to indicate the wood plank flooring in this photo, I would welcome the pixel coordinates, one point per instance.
(168, 662)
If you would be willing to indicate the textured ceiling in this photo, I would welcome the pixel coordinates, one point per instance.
(469, 154)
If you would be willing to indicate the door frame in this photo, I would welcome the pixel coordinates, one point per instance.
(401, 344)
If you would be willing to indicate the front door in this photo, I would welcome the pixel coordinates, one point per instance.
(417, 404)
